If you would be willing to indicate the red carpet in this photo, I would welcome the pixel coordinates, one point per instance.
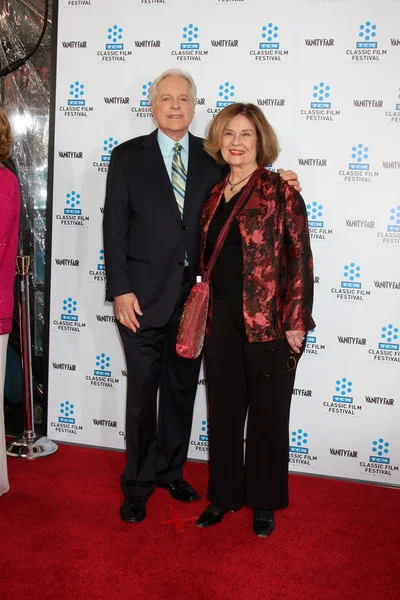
(62, 539)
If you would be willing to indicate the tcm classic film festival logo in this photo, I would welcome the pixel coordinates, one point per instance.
(394, 115)
(98, 273)
(225, 96)
(320, 108)
(366, 47)
(189, 48)
(299, 450)
(142, 107)
(76, 105)
(359, 170)
(102, 374)
(269, 46)
(351, 287)
(72, 215)
(316, 223)
(390, 234)
(69, 321)
(342, 402)
(101, 165)
(79, 3)
(313, 345)
(114, 48)
(66, 423)
(379, 462)
(387, 349)
(200, 442)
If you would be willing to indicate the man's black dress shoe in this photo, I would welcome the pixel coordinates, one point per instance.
(133, 509)
(211, 516)
(264, 522)
(180, 490)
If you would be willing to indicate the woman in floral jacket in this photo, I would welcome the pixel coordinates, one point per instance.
(262, 293)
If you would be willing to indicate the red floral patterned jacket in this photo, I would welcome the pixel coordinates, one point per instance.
(277, 258)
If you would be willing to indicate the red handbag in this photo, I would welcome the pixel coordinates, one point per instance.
(192, 327)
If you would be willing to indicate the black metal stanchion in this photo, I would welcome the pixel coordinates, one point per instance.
(29, 444)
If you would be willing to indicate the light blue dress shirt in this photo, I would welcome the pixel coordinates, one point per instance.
(167, 150)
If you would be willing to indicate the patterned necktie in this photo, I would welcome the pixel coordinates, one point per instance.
(178, 177)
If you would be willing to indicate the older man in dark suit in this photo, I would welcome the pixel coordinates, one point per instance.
(156, 187)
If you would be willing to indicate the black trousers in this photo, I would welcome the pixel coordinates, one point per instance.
(250, 380)
(157, 444)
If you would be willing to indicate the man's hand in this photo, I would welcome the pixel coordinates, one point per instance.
(291, 177)
(126, 307)
(295, 340)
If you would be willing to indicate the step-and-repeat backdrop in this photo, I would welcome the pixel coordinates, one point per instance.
(326, 74)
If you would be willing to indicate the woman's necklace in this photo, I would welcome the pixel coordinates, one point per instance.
(234, 185)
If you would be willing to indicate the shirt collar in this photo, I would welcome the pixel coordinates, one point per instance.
(167, 144)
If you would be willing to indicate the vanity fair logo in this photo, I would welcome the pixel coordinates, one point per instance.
(319, 42)
(74, 45)
(271, 102)
(379, 401)
(269, 47)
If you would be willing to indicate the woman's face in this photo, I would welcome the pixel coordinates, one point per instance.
(239, 143)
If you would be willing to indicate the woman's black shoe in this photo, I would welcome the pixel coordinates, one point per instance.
(264, 522)
(211, 516)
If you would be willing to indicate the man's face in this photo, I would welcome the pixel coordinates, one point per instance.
(173, 108)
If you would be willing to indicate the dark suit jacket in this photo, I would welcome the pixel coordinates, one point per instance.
(145, 239)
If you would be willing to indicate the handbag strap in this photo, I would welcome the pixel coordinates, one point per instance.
(241, 201)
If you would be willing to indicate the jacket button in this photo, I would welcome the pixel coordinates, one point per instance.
(180, 263)
(184, 227)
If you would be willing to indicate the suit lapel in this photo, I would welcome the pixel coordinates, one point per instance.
(195, 173)
(154, 162)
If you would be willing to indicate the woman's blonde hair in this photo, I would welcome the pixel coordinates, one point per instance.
(6, 138)
(267, 141)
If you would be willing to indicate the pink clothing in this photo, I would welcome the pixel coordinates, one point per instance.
(9, 227)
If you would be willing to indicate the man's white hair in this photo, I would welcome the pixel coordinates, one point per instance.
(172, 73)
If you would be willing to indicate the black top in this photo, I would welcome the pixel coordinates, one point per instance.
(227, 275)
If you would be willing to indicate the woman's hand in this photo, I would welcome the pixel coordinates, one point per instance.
(295, 340)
